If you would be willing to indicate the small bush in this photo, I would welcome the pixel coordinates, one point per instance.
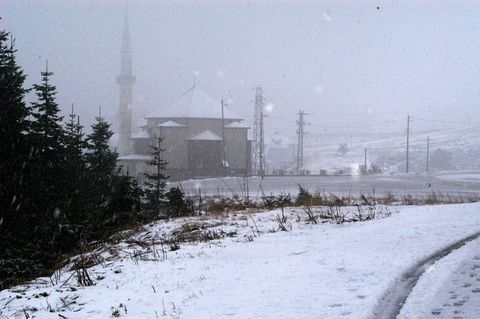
(269, 202)
(177, 204)
(388, 199)
(222, 204)
(304, 197)
(280, 201)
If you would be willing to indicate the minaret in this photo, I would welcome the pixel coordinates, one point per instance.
(125, 80)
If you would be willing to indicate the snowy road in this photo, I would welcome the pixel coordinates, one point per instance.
(380, 184)
(449, 289)
(312, 271)
(392, 303)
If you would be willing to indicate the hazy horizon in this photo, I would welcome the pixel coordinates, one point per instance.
(355, 67)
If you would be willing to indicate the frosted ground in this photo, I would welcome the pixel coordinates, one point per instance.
(310, 271)
(450, 288)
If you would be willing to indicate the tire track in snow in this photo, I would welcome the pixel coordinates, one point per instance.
(392, 301)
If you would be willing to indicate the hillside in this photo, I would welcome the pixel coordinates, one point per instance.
(388, 150)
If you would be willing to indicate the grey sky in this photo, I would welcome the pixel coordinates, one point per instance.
(338, 60)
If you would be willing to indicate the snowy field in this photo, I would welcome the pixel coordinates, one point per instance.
(402, 184)
(389, 149)
(254, 271)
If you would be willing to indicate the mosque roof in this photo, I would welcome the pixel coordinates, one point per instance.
(194, 104)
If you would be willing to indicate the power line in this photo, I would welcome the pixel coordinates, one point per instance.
(337, 126)
(396, 120)
(448, 122)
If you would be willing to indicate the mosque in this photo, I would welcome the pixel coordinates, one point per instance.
(201, 137)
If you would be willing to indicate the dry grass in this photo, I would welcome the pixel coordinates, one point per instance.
(437, 198)
(281, 220)
(340, 215)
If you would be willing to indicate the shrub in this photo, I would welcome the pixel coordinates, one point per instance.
(177, 204)
(269, 202)
(280, 201)
(303, 197)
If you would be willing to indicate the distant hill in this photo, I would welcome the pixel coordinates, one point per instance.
(450, 149)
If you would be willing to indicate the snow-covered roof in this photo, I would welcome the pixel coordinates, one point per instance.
(206, 135)
(236, 125)
(194, 104)
(135, 157)
(170, 124)
(141, 134)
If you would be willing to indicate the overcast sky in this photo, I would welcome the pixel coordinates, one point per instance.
(337, 60)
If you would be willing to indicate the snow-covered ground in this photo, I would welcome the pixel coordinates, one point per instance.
(310, 271)
(449, 289)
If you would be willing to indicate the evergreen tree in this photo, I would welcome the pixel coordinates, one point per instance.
(74, 140)
(14, 124)
(178, 205)
(56, 187)
(126, 198)
(74, 167)
(155, 182)
(101, 163)
(48, 149)
(14, 164)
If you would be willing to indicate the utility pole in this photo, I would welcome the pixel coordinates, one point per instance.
(224, 161)
(408, 140)
(428, 151)
(365, 161)
(300, 134)
(258, 134)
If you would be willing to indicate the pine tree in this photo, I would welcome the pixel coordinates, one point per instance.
(14, 165)
(126, 197)
(49, 151)
(48, 122)
(74, 139)
(74, 167)
(155, 182)
(101, 164)
(14, 124)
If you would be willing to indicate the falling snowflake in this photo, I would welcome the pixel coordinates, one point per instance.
(269, 107)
